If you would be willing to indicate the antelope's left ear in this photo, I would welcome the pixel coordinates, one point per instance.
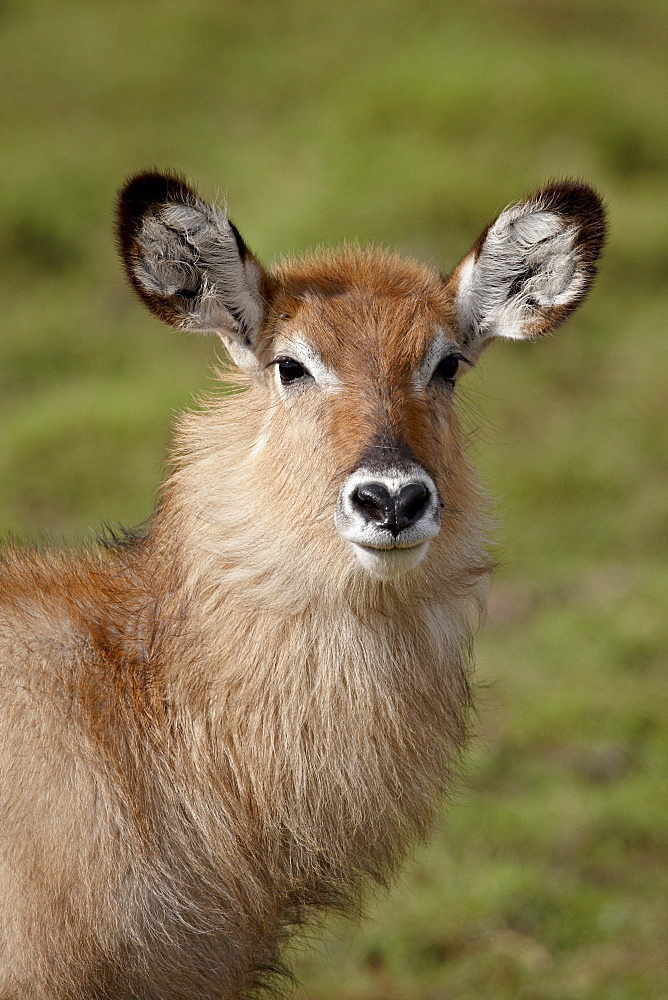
(531, 267)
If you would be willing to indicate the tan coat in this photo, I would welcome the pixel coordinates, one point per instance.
(211, 730)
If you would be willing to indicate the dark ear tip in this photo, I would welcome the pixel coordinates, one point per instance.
(581, 203)
(151, 187)
(140, 192)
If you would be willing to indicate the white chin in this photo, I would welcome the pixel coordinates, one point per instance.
(388, 563)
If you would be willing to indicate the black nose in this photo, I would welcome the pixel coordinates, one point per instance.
(392, 511)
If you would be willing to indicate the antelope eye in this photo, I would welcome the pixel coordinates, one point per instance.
(290, 370)
(447, 368)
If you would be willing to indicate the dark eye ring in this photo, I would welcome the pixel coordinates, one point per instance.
(448, 367)
(290, 370)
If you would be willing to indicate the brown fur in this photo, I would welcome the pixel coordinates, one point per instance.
(214, 730)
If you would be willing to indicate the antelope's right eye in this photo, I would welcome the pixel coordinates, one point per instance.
(290, 370)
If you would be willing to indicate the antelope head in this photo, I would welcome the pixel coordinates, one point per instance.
(355, 355)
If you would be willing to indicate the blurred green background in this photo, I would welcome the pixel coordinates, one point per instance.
(409, 124)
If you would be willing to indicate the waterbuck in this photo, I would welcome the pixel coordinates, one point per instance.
(236, 718)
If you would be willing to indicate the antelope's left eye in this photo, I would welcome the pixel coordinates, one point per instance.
(290, 370)
(447, 368)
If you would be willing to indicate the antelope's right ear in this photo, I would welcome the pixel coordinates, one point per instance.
(189, 264)
(532, 266)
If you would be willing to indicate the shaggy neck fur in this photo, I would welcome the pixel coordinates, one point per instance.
(325, 711)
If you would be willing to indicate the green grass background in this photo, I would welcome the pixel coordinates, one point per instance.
(411, 124)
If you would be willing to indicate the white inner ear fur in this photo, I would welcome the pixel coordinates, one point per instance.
(532, 249)
(193, 250)
(243, 357)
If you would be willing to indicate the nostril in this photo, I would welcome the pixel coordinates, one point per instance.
(392, 511)
(410, 504)
(375, 502)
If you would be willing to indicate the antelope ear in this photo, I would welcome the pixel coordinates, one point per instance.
(189, 264)
(531, 267)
